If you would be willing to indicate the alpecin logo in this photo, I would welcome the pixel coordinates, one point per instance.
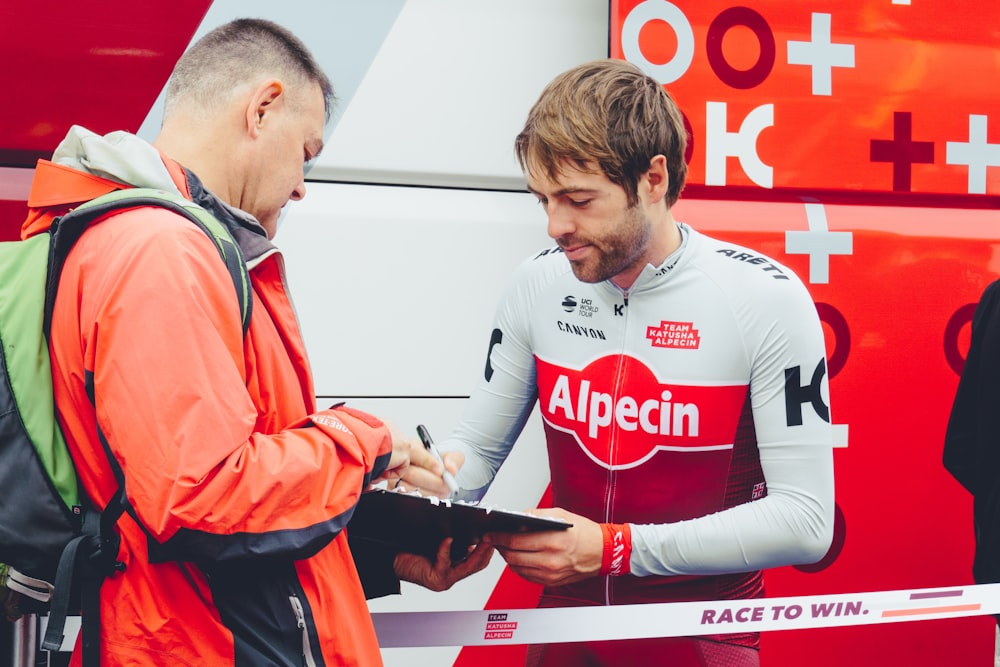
(679, 335)
(622, 424)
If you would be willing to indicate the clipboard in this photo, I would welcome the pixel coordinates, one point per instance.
(416, 524)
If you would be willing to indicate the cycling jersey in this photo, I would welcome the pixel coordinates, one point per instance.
(693, 406)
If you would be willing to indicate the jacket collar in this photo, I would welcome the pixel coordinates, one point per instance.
(249, 233)
(86, 165)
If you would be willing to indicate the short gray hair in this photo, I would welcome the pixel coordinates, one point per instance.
(242, 52)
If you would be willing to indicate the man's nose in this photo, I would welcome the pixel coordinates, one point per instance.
(560, 221)
(299, 192)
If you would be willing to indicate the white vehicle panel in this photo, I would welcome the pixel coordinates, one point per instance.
(395, 287)
(450, 87)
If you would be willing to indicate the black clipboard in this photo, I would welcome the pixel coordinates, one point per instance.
(416, 524)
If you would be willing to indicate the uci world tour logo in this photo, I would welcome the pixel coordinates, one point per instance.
(584, 307)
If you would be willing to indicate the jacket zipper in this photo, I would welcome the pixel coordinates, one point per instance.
(300, 619)
(608, 499)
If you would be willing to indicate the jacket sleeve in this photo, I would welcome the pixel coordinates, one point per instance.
(152, 309)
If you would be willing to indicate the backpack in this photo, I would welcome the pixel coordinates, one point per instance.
(55, 550)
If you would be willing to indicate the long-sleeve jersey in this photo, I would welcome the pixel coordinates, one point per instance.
(693, 406)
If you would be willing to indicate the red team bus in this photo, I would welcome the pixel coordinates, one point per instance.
(855, 141)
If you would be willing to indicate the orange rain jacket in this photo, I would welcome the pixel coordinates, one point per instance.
(238, 490)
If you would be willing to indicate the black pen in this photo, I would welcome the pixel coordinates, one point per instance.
(425, 437)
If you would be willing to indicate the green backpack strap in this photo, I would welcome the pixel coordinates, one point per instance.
(67, 229)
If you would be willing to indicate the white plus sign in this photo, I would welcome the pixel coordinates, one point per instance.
(821, 54)
(977, 154)
(819, 243)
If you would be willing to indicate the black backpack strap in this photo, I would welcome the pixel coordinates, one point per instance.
(72, 560)
(85, 561)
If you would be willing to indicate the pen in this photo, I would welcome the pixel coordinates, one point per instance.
(425, 437)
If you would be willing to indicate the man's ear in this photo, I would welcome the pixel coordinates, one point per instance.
(261, 103)
(656, 179)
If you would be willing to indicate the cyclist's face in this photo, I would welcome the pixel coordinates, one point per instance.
(590, 219)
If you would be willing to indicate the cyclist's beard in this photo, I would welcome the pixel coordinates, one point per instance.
(619, 249)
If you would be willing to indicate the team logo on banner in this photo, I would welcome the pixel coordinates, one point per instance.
(621, 414)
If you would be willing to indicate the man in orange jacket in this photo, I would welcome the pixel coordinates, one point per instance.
(238, 489)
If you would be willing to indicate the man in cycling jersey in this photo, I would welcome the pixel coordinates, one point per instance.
(681, 381)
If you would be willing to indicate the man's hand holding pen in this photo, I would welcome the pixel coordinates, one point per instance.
(426, 472)
(417, 465)
(402, 457)
(447, 475)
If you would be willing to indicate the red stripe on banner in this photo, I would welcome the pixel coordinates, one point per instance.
(892, 613)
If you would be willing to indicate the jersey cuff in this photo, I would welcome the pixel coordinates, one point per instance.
(617, 549)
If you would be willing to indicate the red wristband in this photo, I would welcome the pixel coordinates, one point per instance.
(617, 549)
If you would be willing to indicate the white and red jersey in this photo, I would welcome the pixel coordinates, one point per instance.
(693, 406)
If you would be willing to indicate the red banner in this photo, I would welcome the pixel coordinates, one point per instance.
(867, 96)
